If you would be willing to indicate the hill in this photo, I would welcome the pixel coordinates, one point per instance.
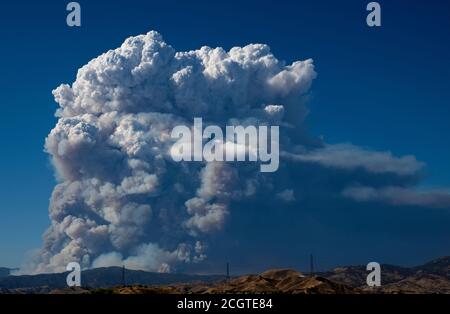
(431, 277)
(4, 272)
(272, 281)
(96, 278)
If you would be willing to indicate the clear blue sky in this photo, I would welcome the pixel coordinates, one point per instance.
(385, 88)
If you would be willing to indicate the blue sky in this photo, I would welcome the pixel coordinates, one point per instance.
(385, 88)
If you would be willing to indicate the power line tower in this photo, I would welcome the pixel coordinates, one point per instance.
(311, 265)
(123, 275)
(228, 271)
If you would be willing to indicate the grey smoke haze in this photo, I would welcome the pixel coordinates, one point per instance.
(121, 199)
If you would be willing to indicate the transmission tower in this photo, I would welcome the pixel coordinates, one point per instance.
(123, 275)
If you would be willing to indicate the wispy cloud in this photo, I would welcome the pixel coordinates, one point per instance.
(400, 196)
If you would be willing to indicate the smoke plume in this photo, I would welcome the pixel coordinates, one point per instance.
(121, 199)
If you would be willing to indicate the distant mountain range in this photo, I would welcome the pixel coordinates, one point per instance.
(432, 277)
(4, 272)
(96, 278)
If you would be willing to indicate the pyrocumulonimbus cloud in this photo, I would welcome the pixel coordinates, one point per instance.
(121, 199)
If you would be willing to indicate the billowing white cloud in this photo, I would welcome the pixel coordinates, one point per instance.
(122, 200)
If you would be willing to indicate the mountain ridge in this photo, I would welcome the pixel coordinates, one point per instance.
(431, 277)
